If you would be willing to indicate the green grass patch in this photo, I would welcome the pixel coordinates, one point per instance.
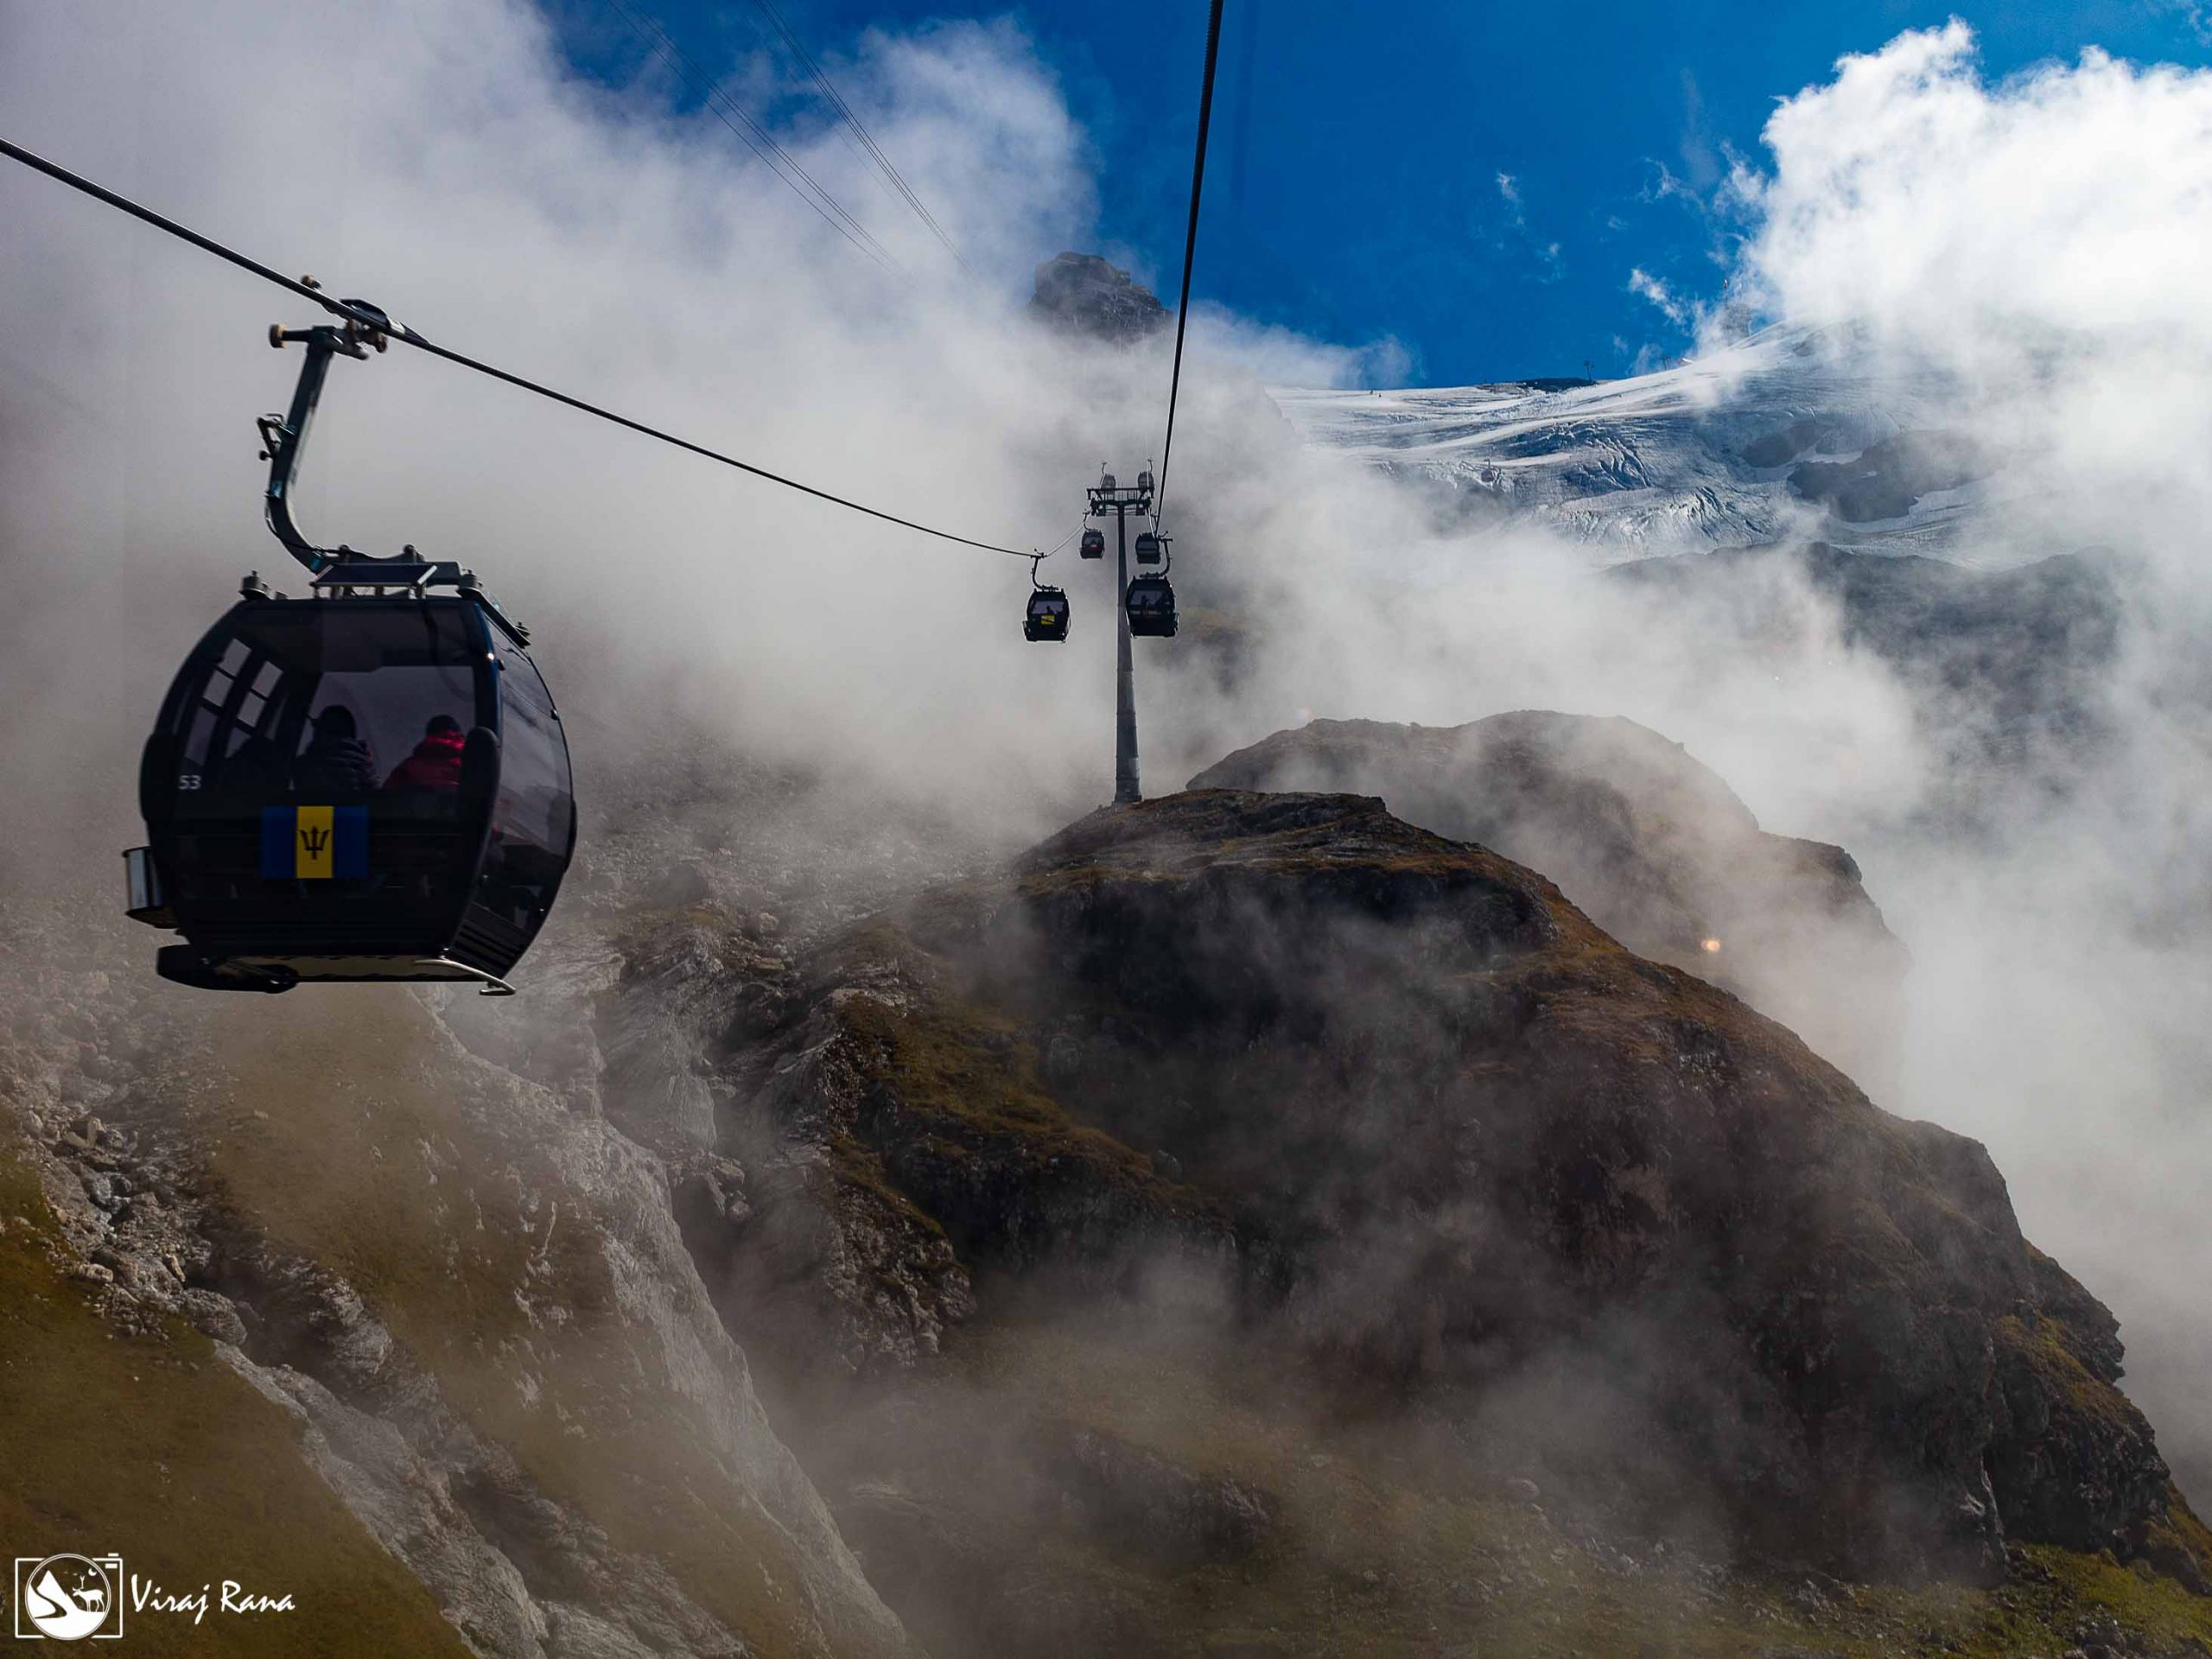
(967, 1076)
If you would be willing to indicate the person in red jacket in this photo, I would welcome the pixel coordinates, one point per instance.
(435, 763)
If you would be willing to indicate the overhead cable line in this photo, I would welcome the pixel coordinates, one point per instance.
(874, 150)
(1189, 246)
(762, 142)
(375, 320)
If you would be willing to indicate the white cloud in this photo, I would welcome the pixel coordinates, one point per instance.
(464, 175)
(2029, 253)
(1644, 285)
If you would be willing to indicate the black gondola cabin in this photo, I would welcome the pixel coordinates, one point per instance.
(353, 788)
(1048, 616)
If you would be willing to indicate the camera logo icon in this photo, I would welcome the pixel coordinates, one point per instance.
(68, 1597)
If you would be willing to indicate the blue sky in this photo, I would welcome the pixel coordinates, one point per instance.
(1477, 181)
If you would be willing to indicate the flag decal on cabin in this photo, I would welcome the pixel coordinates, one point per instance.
(315, 843)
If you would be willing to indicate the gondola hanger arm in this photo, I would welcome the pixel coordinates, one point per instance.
(363, 327)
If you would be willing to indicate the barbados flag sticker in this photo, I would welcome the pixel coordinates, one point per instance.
(310, 844)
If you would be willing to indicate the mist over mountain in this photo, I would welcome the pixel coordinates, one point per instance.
(1645, 841)
(1343, 1205)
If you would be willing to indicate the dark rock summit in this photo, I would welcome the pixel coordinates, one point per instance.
(1451, 1142)
(1081, 294)
(1647, 842)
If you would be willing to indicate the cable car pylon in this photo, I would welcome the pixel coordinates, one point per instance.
(1111, 496)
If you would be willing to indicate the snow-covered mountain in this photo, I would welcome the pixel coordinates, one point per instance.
(1791, 434)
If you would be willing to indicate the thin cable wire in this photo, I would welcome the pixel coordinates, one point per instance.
(1190, 250)
(763, 143)
(383, 324)
(875, 150)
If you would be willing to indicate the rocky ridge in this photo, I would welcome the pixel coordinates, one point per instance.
(1439, 1132)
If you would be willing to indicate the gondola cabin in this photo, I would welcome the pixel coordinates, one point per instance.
(1150, 603)
(362, 786)
(1148, 548)
(1094, 544)
(1048, 616)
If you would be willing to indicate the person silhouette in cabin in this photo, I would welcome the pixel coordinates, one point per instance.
(435, 763)
(335, 760)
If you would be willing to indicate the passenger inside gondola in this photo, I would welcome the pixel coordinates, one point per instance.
(435, 763)
(335, 761)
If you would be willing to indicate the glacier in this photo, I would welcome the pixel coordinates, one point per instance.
(1790, 433)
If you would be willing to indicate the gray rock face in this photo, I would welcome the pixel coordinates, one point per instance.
(1081, 294)
(1653, 846)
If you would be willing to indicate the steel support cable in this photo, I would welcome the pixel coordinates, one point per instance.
(1190, 250)
(874, 150)
(377, 321)
(762, 141)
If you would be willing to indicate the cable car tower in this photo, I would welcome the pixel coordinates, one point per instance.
(1111, 497)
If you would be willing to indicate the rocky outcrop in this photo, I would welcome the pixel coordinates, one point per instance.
(891, 1136)
(1651, 845)
(1449, 1137)
(1081, 294)
(1145, 1505)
